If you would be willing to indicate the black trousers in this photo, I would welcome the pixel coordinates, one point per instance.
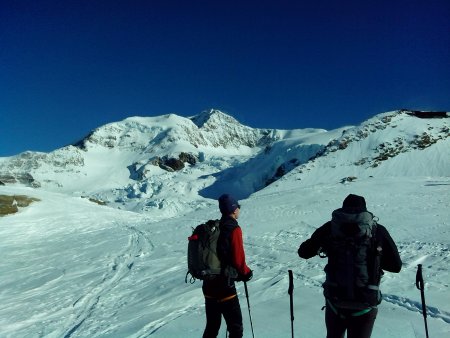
(231, 311)
(356, 327)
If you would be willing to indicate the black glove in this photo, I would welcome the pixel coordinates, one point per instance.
(247, 277)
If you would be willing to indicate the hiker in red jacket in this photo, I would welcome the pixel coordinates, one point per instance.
(220, 293)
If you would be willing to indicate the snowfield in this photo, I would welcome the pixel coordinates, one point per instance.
(73, 268)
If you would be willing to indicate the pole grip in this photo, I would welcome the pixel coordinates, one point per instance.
(419, 277)
(291, 283)
(246, 290)
(421, 287)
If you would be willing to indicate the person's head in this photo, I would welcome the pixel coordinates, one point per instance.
(229, 206)
(354, 204)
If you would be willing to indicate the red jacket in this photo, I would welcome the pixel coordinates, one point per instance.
(237, 252)
(222, 288)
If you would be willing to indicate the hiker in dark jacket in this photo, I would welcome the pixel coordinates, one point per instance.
(220, 293)
(358, 250)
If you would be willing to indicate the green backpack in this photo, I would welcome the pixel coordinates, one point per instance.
(202, 259)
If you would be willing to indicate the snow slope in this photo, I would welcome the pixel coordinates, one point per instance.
(72, 268)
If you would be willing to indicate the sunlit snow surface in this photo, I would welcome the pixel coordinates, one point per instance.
(71, 268)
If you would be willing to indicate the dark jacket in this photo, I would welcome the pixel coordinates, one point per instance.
(382, 256)
(390, 260)
(230, 250)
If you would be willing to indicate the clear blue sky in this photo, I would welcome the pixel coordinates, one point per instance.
(67, 67)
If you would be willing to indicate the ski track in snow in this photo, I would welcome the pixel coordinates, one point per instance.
(435, 257)
(152, 327)
(138, 243)
(415, 306)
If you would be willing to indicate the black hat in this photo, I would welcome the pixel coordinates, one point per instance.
(228, 204)
(354, 204)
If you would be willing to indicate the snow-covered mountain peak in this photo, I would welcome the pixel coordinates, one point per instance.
(213, 119)
(208, 129)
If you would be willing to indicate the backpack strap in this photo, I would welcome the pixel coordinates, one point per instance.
(226, 226)
(377, 252)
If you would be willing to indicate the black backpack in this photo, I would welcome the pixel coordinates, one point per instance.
(202, 259)
(353, 271)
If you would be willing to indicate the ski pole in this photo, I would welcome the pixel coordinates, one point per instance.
(248, 305)
(420, 286)
(291, 292)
